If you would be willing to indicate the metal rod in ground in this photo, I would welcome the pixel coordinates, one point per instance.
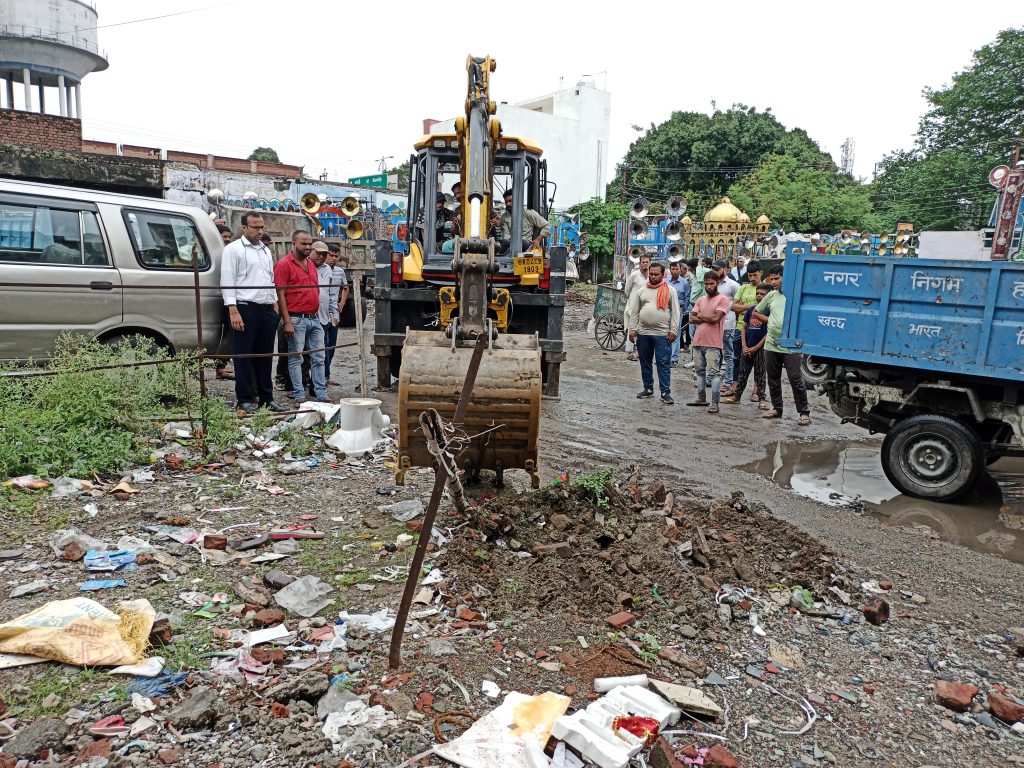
(357, 305)
(433, 431)
(395, 654)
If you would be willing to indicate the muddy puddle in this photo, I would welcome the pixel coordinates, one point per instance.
(991, 519)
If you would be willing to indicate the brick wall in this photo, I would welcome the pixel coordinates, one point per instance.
(99, 147)
(187, 157)
(28, 129)
(132, 150)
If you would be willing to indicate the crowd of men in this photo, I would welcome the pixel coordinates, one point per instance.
(728, 319)
(294, 305)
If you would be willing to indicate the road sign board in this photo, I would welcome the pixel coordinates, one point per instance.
(375, 180)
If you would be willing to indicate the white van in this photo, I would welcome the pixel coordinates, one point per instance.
(122, 264)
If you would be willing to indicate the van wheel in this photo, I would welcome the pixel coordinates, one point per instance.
(135, 349)
(932, 457)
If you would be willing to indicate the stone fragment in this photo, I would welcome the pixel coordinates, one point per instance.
(198, 711)
(170, 756)
(307, 687)
(44, 733)
(876, 611)
(73, 552)
(664, 756)
(560, 522)
(277, 579)
(955, 696)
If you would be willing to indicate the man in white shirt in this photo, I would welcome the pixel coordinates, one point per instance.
(636, 279)
(247, 285)
(332, 278)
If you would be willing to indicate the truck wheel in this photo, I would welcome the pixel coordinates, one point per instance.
(932, 457)
(814, 371)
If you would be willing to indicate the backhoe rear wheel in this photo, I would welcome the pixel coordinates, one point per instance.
(932, 457)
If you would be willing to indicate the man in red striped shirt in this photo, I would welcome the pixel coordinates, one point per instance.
(298, 293)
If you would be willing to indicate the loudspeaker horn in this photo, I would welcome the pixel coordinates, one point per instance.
(674, 252)
(354, 230)
(636, 252)
(310, 202)
(639, 208)
(638, 228)
(883, 248)
(350, 206)
(673, 230)
(676, 206)
(215, 197)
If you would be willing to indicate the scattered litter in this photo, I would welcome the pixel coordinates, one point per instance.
(108, 561)
(267, 635)
(688, 699)
(69, 486)
(109, 726)
(381, 621)
(490, 689)
(29, 482)
(60, 539)
(151, 667)
(91, 510)
(30, 589)
(605, 684)
(354, 713)
(403, 511)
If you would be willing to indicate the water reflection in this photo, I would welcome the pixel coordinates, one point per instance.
(990, 519)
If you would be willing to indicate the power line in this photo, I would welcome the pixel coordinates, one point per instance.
(156, 18)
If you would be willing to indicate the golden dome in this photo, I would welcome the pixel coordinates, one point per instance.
(763, 219)
(744, 219)
(687, 221)
(723, 213)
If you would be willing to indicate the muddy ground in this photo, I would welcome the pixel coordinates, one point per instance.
(528, 582)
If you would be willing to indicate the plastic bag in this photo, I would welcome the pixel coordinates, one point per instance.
(304, 597)
(381, 621)
(62, 538)
(404, 511)
(82, 632)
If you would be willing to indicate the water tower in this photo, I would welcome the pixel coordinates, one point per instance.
(47, 46)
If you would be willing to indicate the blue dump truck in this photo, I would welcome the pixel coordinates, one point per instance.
(929, 352)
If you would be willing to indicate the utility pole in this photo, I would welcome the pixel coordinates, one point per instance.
(622, 189)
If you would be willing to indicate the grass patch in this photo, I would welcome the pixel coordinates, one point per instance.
(190, 643)
(72, 687)
(595, 483)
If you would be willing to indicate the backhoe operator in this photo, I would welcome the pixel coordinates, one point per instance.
(532, 222)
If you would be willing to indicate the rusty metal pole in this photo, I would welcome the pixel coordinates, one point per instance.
(395, 654)
(357, 305)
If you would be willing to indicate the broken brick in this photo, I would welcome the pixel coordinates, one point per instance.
(160, 634)
(885, 585)
(144, 558)
(268, 655)
(279, 710)
(100, 748)
(570, 690)
(541, 655)
(1006, 709)
(657, 492)
(720, 757)
(876, 611)
(664, 756)
(672, 532)
(955, 696)
(425, 702)
(268, 617)
(73, 552)
(708, 582)
(170, 756)
(621, 620)
(468, 614)
(215, 541)
(567, 658)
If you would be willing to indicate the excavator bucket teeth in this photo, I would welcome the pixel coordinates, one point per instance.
(503, 419)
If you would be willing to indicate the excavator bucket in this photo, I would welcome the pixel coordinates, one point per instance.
(503, 420)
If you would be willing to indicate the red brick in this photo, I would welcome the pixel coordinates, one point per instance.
(1006, 709)
(73, 552)
(955, 696)
(268, 655)
(279, 710)
(541, 655)
(621, 620)
(468, 614)
(720, 757)
(567, 658)
(876, 611)
(885, 584)
(664, 756)
(143, 558)
(161, 633)
(268, 617)
(570, 690)
(29, 129)
(425, 702)
(170, 756)
(100, 748)
(215, 541)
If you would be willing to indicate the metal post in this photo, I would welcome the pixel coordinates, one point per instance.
(395, 653)
(357, 306)
(199, 327)
(62, 96)
(10, 91)
(42, 100)
(26, 79)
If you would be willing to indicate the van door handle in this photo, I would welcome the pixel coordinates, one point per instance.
(101, 285)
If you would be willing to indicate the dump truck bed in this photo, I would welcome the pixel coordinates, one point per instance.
(960, 317)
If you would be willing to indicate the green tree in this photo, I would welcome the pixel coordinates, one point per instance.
(802, 198)
(597, 221)
(701, 155)
(264, 155)
(970, 127)
(403, 175)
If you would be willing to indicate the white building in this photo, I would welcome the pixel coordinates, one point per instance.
(571, 126)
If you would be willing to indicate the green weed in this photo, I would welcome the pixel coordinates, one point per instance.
(595, 483)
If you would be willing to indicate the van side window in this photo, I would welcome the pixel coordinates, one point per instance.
(165, 241)
(43, 235)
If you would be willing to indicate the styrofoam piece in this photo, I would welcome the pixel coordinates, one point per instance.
(359, 425)
(605, 684)
(590, 730)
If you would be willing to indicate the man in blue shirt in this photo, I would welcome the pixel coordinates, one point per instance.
(678, 281)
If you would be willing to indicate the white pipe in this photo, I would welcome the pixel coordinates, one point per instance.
(62, 96)
(474, 217)
(27, 80)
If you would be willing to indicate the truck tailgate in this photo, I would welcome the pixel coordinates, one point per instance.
(963, 317)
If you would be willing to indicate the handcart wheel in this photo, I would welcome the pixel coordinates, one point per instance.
(610, 332)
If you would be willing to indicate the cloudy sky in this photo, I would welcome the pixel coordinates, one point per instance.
(335, 89)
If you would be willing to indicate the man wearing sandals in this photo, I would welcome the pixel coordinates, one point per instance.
(772, 309)
(653, 324)
(709, 317)
(637, 279)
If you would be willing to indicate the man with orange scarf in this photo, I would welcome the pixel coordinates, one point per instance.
(653, 323)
